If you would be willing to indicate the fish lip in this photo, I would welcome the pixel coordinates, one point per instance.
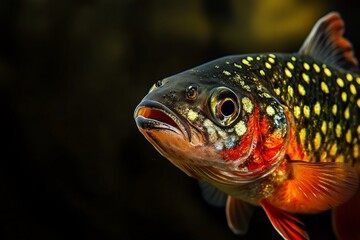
(150, 123)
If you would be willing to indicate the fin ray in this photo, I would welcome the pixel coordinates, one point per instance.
(238, 215)
(316, 187)
(288, 225)
(326, 43)
(212, 195)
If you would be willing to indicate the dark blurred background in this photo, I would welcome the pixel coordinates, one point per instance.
(73, 163)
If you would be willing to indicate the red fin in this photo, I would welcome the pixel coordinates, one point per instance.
(315, 187)
(288, 225)
(346, 219)
(327, 44)
(238, 214)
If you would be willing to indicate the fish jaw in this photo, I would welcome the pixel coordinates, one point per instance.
(151, 115)
(173, 137)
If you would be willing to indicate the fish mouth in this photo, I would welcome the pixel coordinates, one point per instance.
(150, 115)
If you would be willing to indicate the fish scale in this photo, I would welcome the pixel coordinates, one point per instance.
(275, 130)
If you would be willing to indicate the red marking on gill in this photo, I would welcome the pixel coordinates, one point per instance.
(246, 141)
(268, 143)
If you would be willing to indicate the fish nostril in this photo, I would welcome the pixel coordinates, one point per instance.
(171, 96)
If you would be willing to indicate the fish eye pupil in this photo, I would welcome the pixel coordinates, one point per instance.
(227, 107)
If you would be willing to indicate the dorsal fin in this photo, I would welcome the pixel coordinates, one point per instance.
(326, 43)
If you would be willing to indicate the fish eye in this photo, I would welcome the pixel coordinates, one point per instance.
(191, 92)
(224, 106)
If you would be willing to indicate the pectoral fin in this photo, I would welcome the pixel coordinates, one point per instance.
(288, 225)
(315, 187)
(238, 214)
(212, 195)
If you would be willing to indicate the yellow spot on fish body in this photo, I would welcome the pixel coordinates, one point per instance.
(293, 59)
(270, 111)
(237, 66)
(358, 102)
(290, 91)
(240, 128)
(306, 111)
(258, 58)
(327, 72)
(266, 95)
(358, 130)
(249, 58)
(356, 151)
(297, 112)
(333, 149)
(339, 158)
(217, 66)
(244, 61)
(306, 77)
(277, 91)
(288, 73)
(262, 72)
(247, 104)
(334, 109)
(302, 135)
(338, 130)
(344, 96)
(349, 77)
(272, 55)
(192, 115)
(358, 80)
(347, 113)
(316, 67)
(226, 73)
(306, 66)
(301, 90)
(348, 136)
(353, 89)
(324, 87)
(324, 127)
(340, 82)
(317, 108)
(317, 141)
(271, 60)
(290, 65)
(268, 65)
(323, 156)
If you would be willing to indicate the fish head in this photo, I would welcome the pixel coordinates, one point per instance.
(200, 121)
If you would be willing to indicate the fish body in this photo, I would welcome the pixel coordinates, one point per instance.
(276, 130)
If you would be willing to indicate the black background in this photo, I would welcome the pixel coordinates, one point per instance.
(73, 163)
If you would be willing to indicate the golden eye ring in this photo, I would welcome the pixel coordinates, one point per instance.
(224, 106)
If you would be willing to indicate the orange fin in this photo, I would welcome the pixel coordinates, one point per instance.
(288, 225)
(238, 214)
(315, 187)
(327, 44)
(346, 219)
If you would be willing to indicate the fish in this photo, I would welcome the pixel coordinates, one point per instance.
(280, 131)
